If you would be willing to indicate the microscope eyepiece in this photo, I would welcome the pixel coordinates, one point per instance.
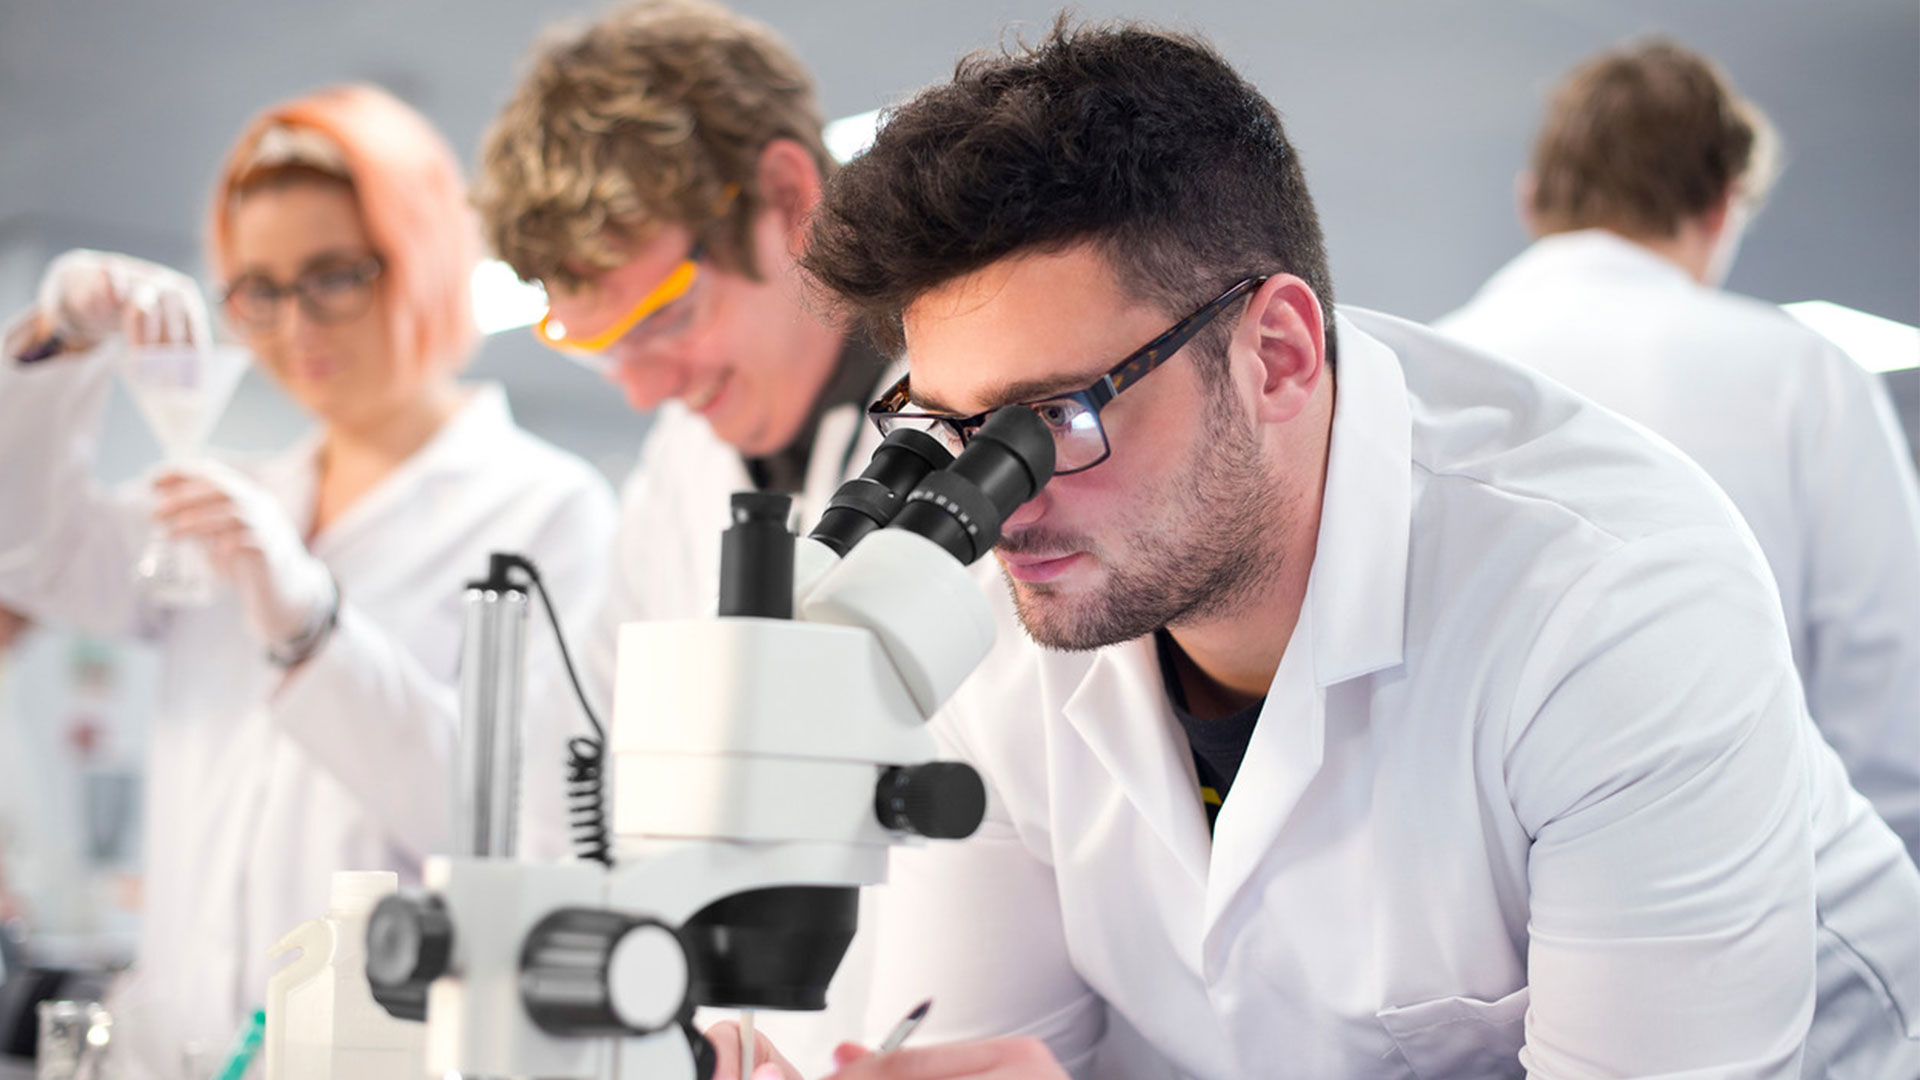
(962, 506)
(869, 501)
(756, 557)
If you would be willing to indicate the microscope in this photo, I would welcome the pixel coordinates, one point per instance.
(763, 762)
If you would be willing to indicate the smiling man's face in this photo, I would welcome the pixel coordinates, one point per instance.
(734, 350)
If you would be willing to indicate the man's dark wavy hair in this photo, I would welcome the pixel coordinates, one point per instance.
(1142, 142)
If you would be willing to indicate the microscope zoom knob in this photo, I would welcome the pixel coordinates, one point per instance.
(941, 800)
(409, 944)
(588, 972)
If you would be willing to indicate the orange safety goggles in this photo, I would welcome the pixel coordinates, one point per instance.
(554, 335)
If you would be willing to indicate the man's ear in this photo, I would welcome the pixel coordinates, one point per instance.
(1524, 186)
(1714, 219)
(789, 181)
(1283, 334)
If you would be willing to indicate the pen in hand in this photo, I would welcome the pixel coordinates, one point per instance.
(904, 1028)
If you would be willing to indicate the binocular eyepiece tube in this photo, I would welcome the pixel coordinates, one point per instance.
(911, 483)
(869, 501)
(962, 507)
(958, 503)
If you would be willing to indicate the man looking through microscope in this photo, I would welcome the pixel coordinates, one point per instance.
(1394, 712)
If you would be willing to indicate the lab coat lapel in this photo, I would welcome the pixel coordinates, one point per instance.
(468, 435)
(293, 476)
(1282, 759)
(1353, 620)
(1120, 711)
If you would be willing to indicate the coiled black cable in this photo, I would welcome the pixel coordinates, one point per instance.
(587, 800)
(586, 754)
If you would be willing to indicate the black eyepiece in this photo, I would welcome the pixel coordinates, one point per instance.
(756, 558)
(962, 506)
(869, 501)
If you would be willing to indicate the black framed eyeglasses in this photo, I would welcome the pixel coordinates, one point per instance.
(333, 290)
(1079, 438)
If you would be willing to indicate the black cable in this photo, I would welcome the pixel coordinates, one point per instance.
(586, 755)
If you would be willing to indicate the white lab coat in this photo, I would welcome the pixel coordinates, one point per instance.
(1533, 778)
(674, 506)
(673, 509)
(1800, 437)
(259, 786)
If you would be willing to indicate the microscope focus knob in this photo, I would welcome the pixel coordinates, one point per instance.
(942, 800)
(588, 972)
(409, 944)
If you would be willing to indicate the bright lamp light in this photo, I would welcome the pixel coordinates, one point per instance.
(501, 301)
(1875, 343)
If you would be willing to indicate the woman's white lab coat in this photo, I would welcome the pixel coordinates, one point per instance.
(1534, 771)
(260, 784)
(1801, 438)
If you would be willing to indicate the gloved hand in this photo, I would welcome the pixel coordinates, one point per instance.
(88, 296)
(285, 592)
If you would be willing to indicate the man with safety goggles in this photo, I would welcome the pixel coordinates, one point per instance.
(654, 171)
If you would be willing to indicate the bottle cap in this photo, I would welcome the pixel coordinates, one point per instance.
(355, 892)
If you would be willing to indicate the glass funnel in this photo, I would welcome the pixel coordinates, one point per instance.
(181, 390)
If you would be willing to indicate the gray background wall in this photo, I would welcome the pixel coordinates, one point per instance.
(1412, 116)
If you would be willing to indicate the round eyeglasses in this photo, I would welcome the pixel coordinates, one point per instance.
(332, 289)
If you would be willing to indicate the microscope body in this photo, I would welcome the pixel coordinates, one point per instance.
(763, 763)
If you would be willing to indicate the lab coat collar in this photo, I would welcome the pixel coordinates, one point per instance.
(1357, 590)
(477, 431)
(1585, 254)
(1351, 623)
(1121, 712)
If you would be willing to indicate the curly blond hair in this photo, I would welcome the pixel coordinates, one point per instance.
(654, 114)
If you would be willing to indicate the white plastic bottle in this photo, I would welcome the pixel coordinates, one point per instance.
(322, 1021)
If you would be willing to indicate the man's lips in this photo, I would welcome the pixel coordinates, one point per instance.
(1036, 567)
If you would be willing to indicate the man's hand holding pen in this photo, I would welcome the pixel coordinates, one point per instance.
(984, 1059)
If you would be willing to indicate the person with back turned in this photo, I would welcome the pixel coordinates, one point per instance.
(1645, 173)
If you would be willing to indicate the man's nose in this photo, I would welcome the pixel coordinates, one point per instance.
(1028, 512)
(649, 375)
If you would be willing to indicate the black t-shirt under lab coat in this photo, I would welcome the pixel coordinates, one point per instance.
(1218, 744)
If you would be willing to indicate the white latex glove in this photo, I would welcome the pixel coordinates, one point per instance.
(284, 591)
(88, 296)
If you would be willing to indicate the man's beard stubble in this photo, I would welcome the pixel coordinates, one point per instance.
(1206, 542)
